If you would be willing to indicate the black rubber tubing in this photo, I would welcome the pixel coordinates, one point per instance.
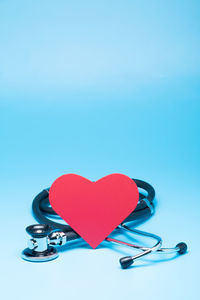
(41, 209)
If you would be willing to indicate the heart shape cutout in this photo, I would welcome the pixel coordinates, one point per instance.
(93, 209)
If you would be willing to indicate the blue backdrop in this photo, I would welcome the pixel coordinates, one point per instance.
(96, 87)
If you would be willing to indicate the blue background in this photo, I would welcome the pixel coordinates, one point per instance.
(96, 87)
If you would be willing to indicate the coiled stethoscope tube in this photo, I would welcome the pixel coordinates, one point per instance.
(51, 233)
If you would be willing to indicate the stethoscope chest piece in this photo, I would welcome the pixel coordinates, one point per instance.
(34, 256)
(39, 249)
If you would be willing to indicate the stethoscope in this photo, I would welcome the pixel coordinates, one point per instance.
(49, 235)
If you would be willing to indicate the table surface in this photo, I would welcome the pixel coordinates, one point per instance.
(94, 89)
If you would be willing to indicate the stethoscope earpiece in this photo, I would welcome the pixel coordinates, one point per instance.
(182, 248)
(126, 262)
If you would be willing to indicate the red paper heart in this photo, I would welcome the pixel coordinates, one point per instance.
(93, 209)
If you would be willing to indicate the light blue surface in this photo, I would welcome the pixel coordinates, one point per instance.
(96, 87)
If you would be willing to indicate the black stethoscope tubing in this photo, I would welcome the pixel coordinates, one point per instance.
(42, 210)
